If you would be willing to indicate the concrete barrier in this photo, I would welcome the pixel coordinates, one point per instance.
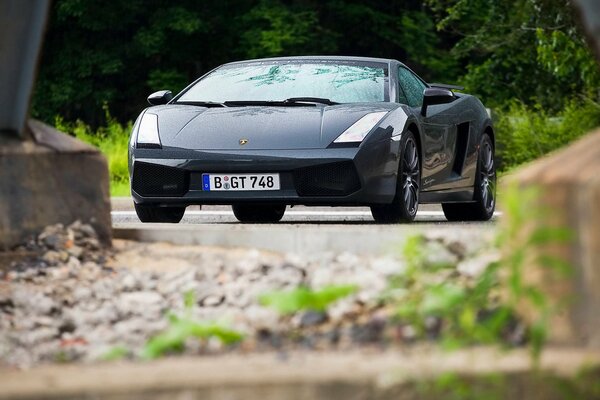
(367, 375)
(51, 179)
(569, 192)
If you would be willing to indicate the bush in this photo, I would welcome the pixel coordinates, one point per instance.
(526, 133)
(113, 142)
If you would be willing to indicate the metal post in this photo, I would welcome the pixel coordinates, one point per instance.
(590, 16)
(22, 24)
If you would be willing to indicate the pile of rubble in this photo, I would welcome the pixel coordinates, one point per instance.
(74, 300)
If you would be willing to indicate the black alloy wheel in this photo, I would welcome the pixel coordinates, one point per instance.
(406, 202)
(484, 204)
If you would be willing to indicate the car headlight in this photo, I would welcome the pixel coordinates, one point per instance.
(147, 136)
(359, 130)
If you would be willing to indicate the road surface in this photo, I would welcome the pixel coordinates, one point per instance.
(302, 229)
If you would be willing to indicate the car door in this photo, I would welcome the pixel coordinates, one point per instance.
(439, 130)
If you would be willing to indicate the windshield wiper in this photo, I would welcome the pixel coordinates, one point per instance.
(291, 102)
(310, 100)
(201, 103)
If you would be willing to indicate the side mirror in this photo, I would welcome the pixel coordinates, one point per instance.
(160, 97)
(435, 95)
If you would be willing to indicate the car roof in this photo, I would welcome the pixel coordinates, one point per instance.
(320, 58)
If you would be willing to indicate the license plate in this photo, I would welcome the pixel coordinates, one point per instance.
(216, 182)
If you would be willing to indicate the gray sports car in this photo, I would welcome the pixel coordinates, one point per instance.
(264, 134)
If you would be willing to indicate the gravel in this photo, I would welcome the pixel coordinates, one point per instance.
(72, 300)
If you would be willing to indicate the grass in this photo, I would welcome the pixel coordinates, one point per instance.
(112, 140)
(120, 188)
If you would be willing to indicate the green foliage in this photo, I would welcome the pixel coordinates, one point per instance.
(183, 328)
(453, 386)
(468, 312)
(525, 133)
(483, 309)
(524, 238)
(119, 53)
(531, 51)
(112, 139)
(115, 353)
(289, 302)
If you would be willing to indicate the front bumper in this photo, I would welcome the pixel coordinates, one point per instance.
(336, 176)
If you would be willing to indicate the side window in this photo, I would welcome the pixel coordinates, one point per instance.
(411, 86)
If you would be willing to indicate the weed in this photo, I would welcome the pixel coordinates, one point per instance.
(483, 309)
(182, 328)
(289, 302)
(115, 353)
(112, 140)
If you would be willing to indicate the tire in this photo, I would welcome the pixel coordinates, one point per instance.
(258, 213)
(148, 213)
(406, 202)
(482, 209)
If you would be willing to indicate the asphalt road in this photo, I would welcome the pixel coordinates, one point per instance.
(302, 229)
(124, 216)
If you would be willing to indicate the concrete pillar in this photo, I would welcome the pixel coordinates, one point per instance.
(568, 184)
(22, 25)
(46, 177)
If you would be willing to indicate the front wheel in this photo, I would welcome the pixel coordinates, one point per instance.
(484, 204)
(147, 213)
(258, 213)
(406, 202)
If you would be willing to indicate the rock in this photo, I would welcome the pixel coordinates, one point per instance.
(54, 241)
(474, 267)
(52, 257)
(312, 318)
(129, 283)
(82, 293)
(408, 332)
(388, 266)
(436, 255)
(75, 251)
(148, 304)
(212, 300)
(37, 336)
(261, 318)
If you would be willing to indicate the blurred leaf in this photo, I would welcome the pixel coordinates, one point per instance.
(288, 302)
(442, 298)
(173, 339)
(116, 353)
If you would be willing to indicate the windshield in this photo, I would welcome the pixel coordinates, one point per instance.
(338, 82)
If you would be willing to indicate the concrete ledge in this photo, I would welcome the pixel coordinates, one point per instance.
(357, 375)
(56, 179)
(569, 186)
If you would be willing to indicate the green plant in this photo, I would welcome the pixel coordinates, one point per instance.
(482, 309)
(182, 328)
(525, 133)
(467, 311)
(113, 142)
(525, 237)
(289, 302)
(115, 353)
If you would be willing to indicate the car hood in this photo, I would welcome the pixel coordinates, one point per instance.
(260, 127)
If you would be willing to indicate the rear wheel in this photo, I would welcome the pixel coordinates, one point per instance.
(406, 202)
(482, 209)
(147, 213)
(258, 213)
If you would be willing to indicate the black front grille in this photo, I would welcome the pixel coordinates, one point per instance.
(335, 179)
(151, 180)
